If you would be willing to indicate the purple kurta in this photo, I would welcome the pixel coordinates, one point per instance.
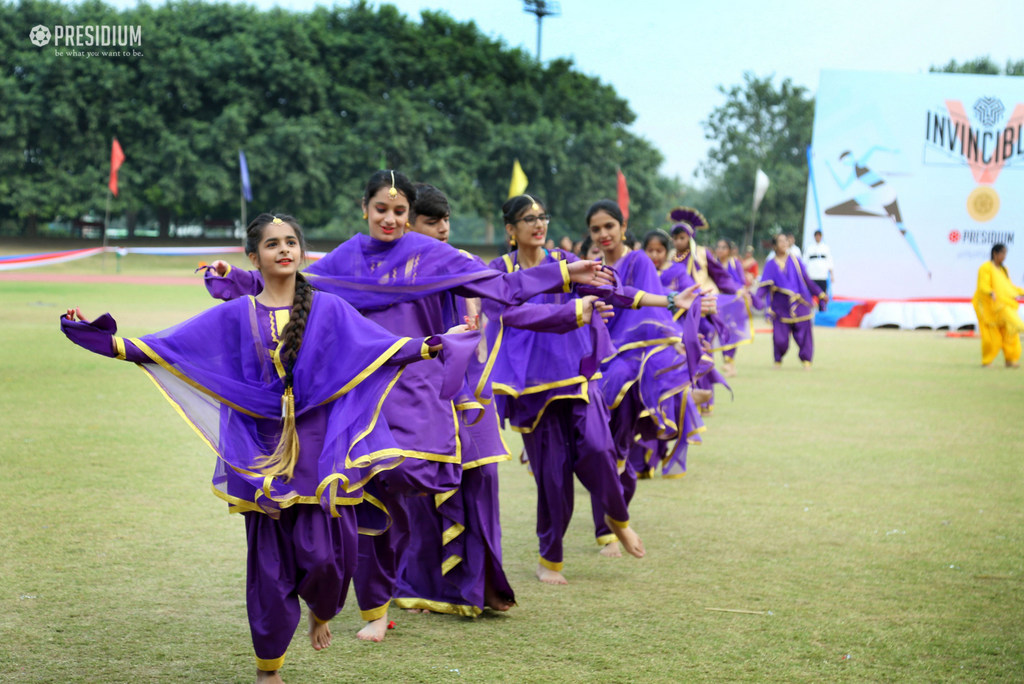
(786, 292)
(549, 394)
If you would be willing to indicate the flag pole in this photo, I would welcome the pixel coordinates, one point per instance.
(242, 198)
(106, 229)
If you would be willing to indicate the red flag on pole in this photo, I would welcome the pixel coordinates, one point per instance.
(623, 194)
(116, 157)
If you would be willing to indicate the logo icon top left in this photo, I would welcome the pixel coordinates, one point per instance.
(39, 35)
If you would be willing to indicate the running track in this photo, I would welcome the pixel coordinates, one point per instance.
(24, 276)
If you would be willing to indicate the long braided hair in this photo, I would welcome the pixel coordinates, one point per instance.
(281, 463)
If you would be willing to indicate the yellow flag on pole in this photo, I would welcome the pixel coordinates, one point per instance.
(519, 180)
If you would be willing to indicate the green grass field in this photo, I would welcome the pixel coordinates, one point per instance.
(871, 510)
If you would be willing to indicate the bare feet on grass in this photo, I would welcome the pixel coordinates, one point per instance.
(263, 677)
(549, 576)
(630, 539)
(611, 550)
(494, 600)
(319, 633)
(374, 630)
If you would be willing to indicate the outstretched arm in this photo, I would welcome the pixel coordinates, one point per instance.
(99, 336)
(224, 282)
(519, 286)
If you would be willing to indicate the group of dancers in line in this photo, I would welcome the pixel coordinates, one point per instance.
(356, 406)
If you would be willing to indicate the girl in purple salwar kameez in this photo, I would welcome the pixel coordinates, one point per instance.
(408, 282)
(786, 291)
(301, 370)
(549, 393)
(647, 384)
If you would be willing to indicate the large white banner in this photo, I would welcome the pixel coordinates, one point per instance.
(913, 178)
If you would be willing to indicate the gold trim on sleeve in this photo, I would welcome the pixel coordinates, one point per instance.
(563, 266)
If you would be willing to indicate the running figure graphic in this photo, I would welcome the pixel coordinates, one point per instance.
(877, 199)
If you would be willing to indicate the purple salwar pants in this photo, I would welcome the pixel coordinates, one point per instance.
(572, 437)
(307, 554)
(803, 334)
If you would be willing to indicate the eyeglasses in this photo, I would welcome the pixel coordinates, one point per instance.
(532, 220)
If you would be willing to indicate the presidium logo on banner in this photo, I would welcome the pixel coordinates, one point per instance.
(110, 39)
(985, 144)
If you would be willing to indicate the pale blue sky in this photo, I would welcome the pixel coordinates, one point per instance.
(667, 57)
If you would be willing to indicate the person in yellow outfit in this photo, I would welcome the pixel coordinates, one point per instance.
(995, 302)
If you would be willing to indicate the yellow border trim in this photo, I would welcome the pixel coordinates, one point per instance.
(438, 607)
(269, 664)
(550, 565)
(450, 563)
(375, 613)
(487, 460)
(489, 366)
(366, 372)
(584, 395)
(534, 389)
(563, 266)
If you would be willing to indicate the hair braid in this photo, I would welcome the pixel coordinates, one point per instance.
(291, 336)
(282, 462)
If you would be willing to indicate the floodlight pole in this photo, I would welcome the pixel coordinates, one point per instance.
(542, 8)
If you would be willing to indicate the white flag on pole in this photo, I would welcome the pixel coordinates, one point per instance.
(760, 187)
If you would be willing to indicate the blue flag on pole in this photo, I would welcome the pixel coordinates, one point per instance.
(246, 188)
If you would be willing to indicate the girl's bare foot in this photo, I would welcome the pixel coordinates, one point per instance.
(494, 600)
(702, 396)
(549, 576)
(630, 539)
(416, 611)
(264, 677)
(319, 633)
(374, 630)
(611, 550)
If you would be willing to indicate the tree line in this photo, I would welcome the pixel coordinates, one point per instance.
(320, 99)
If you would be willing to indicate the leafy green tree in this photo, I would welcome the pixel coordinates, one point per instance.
(764, 126)
(318, 101)
(980, 65)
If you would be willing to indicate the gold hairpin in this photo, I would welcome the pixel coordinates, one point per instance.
(277, 220)
(393, 192)
(534, 206)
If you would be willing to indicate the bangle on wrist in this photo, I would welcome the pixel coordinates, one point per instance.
(672, 308)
